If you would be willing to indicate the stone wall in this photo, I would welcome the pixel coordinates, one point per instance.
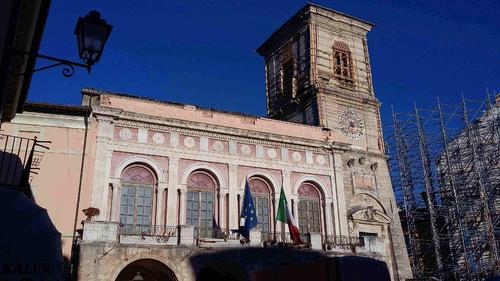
(349, 178)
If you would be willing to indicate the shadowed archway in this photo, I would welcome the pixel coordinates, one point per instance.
(147, 270)
(223, 270)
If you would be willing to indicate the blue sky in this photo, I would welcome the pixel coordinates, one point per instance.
(203, 52)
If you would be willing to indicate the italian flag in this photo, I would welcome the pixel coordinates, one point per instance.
(285, 216)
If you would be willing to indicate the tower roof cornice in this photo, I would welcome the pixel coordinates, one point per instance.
(303, 14)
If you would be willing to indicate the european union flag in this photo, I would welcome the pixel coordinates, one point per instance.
(248, 213)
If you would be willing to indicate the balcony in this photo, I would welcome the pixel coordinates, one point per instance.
(20, 158)
(185, 235)
(148, 234)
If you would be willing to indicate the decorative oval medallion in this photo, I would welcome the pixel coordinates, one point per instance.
(245, 149)
(158, 138)
(296, 156)
(125, 134)
(218, 146)
(321, 159)
(271, 153)
(189, 142)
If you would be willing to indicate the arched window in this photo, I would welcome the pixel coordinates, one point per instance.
(287, 70)
(261, 193)
(136, 201)
(200, 202)
(309, 209)
(342, 64)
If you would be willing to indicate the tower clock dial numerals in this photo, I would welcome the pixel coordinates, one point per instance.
(351, 124)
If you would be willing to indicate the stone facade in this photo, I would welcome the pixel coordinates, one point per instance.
(325, 152)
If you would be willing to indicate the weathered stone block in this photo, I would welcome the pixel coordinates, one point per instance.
(97, 231)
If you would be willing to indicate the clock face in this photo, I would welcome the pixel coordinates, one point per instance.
(351, 124)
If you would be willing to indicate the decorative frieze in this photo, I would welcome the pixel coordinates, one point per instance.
(203, 143)
(313, 146)
(259, 151)
(245, 150)
(296, 156)
(125, 134)
(189, 142)
(144, 135)
(174, 139)
(218, 146)
(271, 153)
(158, 138)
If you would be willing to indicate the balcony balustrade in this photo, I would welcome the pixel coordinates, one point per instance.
(341, 240)
(147, 233)
(95, 231)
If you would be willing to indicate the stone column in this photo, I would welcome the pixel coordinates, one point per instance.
(117, 187)
(160, 202)
(339, 194)
(173, 172)
(328, 217)
(233, 201)
(218, 198)
(181, 208)
(222, 208)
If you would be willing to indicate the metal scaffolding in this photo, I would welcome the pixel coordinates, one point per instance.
(445, 169)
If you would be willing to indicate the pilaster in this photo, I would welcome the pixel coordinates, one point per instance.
(339, 194)
(173, 179)
(100, 184)
(233, 192)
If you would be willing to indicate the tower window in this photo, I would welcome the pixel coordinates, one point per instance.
(342, 64)
(287, 70)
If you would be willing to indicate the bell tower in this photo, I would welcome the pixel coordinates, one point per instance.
(318, 73)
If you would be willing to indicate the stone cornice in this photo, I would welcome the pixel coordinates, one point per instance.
(132, 119)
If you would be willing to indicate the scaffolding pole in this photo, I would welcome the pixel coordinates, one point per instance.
(429, 190)
(445, 168)
(408, 200)
(482, 191)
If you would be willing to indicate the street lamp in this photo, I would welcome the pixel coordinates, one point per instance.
(138, 277)
(91, 32)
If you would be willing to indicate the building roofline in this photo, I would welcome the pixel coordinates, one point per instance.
(50, 108)
(340, 13)
(93, 91)
(98, 92)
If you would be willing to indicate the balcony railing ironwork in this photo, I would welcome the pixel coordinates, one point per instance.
(342, 240)
(215, 233)
(159, 232)
(279, 237)
(20, 157)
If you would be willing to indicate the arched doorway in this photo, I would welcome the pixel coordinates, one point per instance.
(146, 270)
(136, 199)
(261, 192)
(201, 204)
(309, 208)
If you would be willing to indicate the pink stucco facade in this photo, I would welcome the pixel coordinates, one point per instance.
(56, 185)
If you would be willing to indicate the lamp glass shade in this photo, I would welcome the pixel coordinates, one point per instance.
(91, 32)
(138, 277)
